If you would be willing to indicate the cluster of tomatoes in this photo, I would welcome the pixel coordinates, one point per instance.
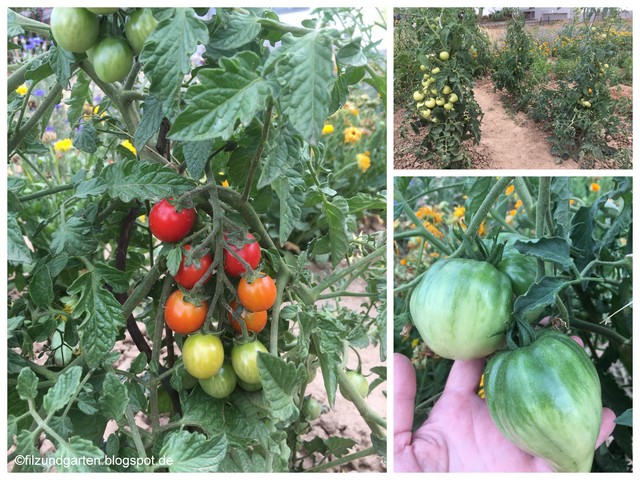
(80, 30)
(203, 353)
(429, 97)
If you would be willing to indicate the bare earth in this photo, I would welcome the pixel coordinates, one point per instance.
(508, 141)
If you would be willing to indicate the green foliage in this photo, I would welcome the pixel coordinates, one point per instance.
(224, 113)
(586, 288)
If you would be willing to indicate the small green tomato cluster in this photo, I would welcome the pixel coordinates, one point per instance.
(428, 97)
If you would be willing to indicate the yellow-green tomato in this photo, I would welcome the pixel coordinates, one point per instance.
(112, 59)
(431, 103)
(444, 56)
(440, 101)
(423, 68)
(222, 383)
(435, 71)
(448, 106)
(417, 96)
(425, 113)
(249, 387)
(453, 98)
(446, 90)
(244, 358)
(202, 355)
(139, 26)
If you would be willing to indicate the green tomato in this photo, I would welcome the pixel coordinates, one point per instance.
(453, 98)
(440, 101)
(244, 358)
(546, 399)
(74, 29)
(431, 103)
(359, 382)
(103, 11)
(462, 308)
(417, 96)
(435, 71)
(448, 106)
(139, 26)
(202, 355)
(112, 59)
(521, 269)
(62, 353)
(222, 383)
(425, 113)
(446, 90)
(444, 56)
(311, 409)
(423, 68)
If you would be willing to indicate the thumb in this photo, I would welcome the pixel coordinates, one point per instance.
(607, 426)
(404, 393)
(465, 375)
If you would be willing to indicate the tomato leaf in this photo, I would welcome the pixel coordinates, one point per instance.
(74, 237)
(550, 249)
(233, 93)
(540, 295)
(78, 448)
(626, 418)
(283, 151)
(114, 398)
(280, 379)
(167, 53)
(17, 249)
(304, 70)
(86, 138)
(27, 384)
(290, 210)
(196, 154)
(327, 340)
(237, 29)
(63, 391)
(80, 94)
(134, 180)
(336, 213)
(152, 115)
(193, 452)
(61, 62)
(102, 316)
(41, 287)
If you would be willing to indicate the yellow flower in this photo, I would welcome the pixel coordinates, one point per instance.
(129, 146)
(594, 187)
(352, 134)
(509, 190)
(63, 145)
(415, 342)
(429, 212)
(327, 129)
(518, 203)
(482, 230)
(22, 90)
(403, 261)
(434, 231)
(225, 183)
(459, 211)
(513, 212)
(351, 109)
(142, 218)
(364, 161)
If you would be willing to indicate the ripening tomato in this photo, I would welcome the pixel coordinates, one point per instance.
(244, 358)
(188, 276)
(249, 252)
(74, 29)
(168, 224)
(182, 316)
(258, 295)
(203, 355)
(138, 27)
(254, 321)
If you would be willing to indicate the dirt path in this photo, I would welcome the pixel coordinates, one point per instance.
(510, 141)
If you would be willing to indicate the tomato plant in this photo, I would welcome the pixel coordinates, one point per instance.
(168, 223)
(572, 277)
(112, 59)
(257, 295)
(249, 252)
(311, 409)
(74, 29)
(181, 315)
(123, 194)
(203, 355)
(222, 383)
(193, 270)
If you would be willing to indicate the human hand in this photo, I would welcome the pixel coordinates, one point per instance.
(459, 435)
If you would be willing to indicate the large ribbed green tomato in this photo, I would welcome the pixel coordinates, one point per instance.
(74, 29)
(462, 308)
(545, 398)
(521, 269)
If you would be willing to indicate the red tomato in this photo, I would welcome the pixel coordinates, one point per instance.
(182, 316)
(254, 321)
(258, 295)
(189, 276)
(250, 253)
(169, 225)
